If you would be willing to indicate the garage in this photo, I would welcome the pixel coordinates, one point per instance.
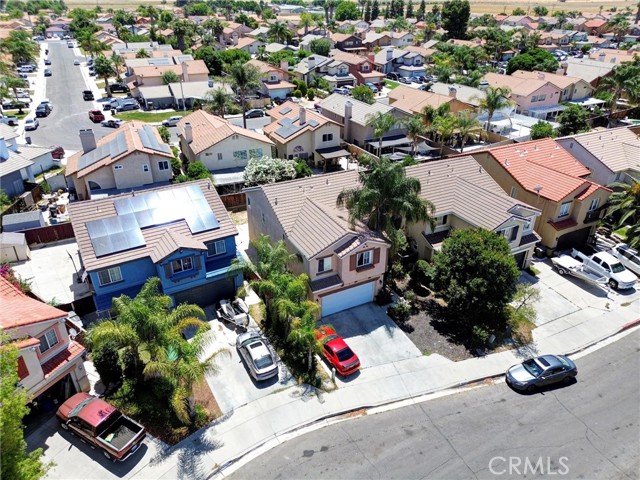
(574, 239)
(207, 294)
(348, 298)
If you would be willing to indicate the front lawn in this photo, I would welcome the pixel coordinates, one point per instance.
(390, 84)
(20, 116)
(148, 117)
(622, 232)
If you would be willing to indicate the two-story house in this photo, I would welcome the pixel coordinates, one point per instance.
(274, 79)
(132, 156)
(337, 74)
(373, 39)
(180, 233)
(345, 263)
(50, 362)
(571, 88)
(301, 133)
(151, 76)
(14, 169)
(466, 196)
(362, 68)
(402, 62)
(593, 26)
(402, 39)
(611, 155)
(412, 101)
(544, 175)
(309, 67)
(347, 42)
(249, 45)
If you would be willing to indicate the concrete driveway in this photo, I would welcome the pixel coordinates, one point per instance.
(372, 335)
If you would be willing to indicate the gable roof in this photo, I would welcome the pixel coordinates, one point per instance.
(265, 68)
(360, 110)
(285, 124)
(518, 86)
(411, 100)
(209, 130)
(18, 309)
(350, 58)
(560, 81)
(194, 67)
(129, 138)
(7, 132)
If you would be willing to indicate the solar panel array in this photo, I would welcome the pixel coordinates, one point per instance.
(313, 123)
(117, 146)
(150, 141)
(285, 110)
(124, 231)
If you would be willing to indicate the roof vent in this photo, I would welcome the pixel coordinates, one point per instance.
(535, 147)
(506, 163)
(480, 170)
(276, 201)
(525, 151)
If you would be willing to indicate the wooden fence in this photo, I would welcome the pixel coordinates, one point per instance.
(235, 201)
(51, 233)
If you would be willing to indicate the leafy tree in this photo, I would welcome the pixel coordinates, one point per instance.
(573, 120)
(142, 53)
(347, 10)
(320, 46)
(455, 17)
(165, 134)
(197, 171)
(375, 10)
(364, 94)
(170, 77)
(421, 11)
(306, 20)
(409, 12)
(15, 461)
(106, 359)
(303, 336)
(182, 29)
(518, 11)
(381, 123)
(244, 79)
(468, 128)
(534, 59)
(624, 209)
(416, 129)
(540, 10)
(386, 199)
(367, 11)
(279, 32)
(217, 100)
(541, 129)
(624, 81)
(104, 69)
(476, 275)
(20, 46)
(246, 20)
(302, 169)
(260, 171)
(211, 58)
(495, 98)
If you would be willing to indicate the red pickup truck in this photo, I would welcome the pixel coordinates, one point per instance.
(96, 116)
(101, 425)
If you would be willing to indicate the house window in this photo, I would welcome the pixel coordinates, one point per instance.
(219, 156)
(208, 154)
(514, 192)
(240, 155)
(118, 167)
(163, 165)
(364, 258)
(594, 204)
(264, 220)
(538, 98)
(324, 264)
(182, 265)
(216, 248)
(48, 340)
(528, 225)
(327, 137)
(441, 220)
(110, 275)
(255, 153)
(365, 67)
(145, 168)
(564, 209)
(273, 78)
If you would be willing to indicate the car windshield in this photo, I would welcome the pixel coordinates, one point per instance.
(532, 367)
(564, 361)
(344, 354)
(617, 268)
(263, 362)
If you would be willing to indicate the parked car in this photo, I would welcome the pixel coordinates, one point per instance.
(10, 120)
(92, 72)
(257, 355)
(254, 113)
(46, 101)
(96, 116)
(31, 124)
(628, 257)
(607, 265)
(541, 371)
(392, 76)
(42, 110)
(341, 91)
(371, 86)
(404, 80)
(337, 352)
(11, 104)
(47, 61)
(119, 87)
(57, 152)
(101, 425)
(127, 105)
(424, 79)
(171, 121)
(76, 62)
(47, 72)
(113, 123)
(87, 95)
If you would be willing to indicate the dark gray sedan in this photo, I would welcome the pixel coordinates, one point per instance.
(540, 372)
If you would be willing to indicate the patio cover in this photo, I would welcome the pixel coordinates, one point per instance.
(332, 152)
(390, 142)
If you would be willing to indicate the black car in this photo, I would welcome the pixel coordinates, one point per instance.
(254, 113)
(87, 95)
(119, 87)
(47, 61)
(423, 79)
(43, 110)
(392, 76)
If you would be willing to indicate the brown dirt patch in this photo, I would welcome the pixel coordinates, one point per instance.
(238, 218)
(204, 397)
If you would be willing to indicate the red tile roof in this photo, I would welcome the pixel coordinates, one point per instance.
(60, 360)
(562, 224)
(19, 309)
(27, 342)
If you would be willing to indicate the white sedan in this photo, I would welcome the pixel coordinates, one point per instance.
(172, 121)
(31, 124)
(257, 355)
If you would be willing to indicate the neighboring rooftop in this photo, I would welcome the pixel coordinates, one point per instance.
(518, 86)
(335, 103)
(18, 309)
(286, 126)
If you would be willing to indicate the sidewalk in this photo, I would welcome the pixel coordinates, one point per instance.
(275, 417)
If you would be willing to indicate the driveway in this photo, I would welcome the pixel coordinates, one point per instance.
(372, 335)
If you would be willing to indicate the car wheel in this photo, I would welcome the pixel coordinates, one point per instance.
(562, 271)
(613, 284)
(107, 455)
(566, 380)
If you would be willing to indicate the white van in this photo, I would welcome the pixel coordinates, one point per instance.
(628, 257)
(70, 44)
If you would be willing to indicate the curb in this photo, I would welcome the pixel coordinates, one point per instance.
(626, 326)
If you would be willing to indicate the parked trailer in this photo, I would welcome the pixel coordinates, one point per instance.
(566, 264)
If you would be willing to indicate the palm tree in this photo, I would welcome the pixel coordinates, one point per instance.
(624, 209)
(381, 123)
(624, 81)
(216, 100)
(244, 79)
(118, 64)
(303, 335)
(13, 83)
(104, 69)
(306, 20)
(182, 29)
(467, 126)
(385, 199)
(620, 26)
(142, 53)
(429, 115)
(279, 32)
(415, 129)
(495, 98)
(20, 46)
(444, 127)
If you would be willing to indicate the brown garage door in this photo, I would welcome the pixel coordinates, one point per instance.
(207, 294)
(573, 239)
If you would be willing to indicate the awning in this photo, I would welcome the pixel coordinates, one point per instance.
(547, 109)
(589, 102)
(332, 152)
(421, 147)
(228, 178)
(390, 142)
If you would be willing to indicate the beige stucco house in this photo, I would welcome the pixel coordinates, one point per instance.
(132, 156)
(345, 263)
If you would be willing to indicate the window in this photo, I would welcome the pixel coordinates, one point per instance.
(208, 154)
(538, 98)
(327, 137)
(118, 167)
(219, 156)
(528, 225)
(48, 340)
(163, 165)
(324, 264)
(182, 265)
(273, 78)
(145, 168)
(514, 192)
(240, 155)
(441, 220)
(364, 258)
(564, 209)
(365, 67)
(216, 248)
(255, 153)
(110, 275)
(594, 204)
(264, 220)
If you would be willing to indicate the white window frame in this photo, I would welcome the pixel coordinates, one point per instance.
(594, 204)
(185, 264)
(528, 225)
(114, 276)
(327, 137)
(565, 209)
(324, 265)
(441, 220)
(50, 343)
(364, 259)
(163, 165)
(219, 247)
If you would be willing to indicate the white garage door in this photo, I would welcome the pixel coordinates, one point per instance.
(351, 297)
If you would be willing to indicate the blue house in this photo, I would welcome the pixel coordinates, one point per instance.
(180, 233)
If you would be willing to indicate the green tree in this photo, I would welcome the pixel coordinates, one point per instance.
(182, 29)
(170, 77)
(381, 123)
(468, 128)
(105, 70)
(211, 57)
(260, 171)
(573, 120)
(421, 11)
(165, 134)
(216, 101)
(624, 209)
(386, 199)
(518, 11)
(303, 335)
(197, 171)
(375, 10)
(20, 46)
(494, 99)
(347, 10)
(246, 20)
(320, 46)
(16, 463)
(534, 59)
(364, 94)
(455, 17)
(279, 32)
(416, 129)
(409, 12)
(106, 360)
(540, 10)
(476, 275)
(624, 81)
(142, 53)
(244, 79)
(306, 20)
(541, 129)
(367, 11)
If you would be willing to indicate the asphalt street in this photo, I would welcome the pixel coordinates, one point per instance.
(64, 88)
(589, 429)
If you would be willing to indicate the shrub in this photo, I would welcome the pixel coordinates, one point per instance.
(422, 273)
(165, 134)
(479, 336)
(397, 271)
(383, 297)
(311, 94)
(401, 310)
(297, 93)
(107, 363)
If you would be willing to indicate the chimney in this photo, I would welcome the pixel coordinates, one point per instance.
(302, 116)
(453, 92)
(348, 113)
(389, 54)
(311, 62)
(88, 140)
(4, 151)
(188, 133)
(601, 56)
(185, 71)
(284, 65)
(540, 76)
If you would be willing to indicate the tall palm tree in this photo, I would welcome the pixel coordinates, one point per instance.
(244, 79)
(104, 69)
(467, 126)
(444, 127)
(306, 20)
(623, 82)
(279, 32)
(495, 98)
(381, 123)
(118, 64)
(216, 100)
(429, 115)
(386, 199)
(415, 130)
(624, 208)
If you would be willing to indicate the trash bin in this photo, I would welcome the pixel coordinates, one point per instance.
(113, 111)
(539, 252)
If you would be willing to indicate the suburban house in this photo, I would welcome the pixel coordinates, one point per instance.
(536, 97)
(50, 362)
(301, 133)
(591, 71)
(337, 74)
(14, 169)
(466, 196)
(249, 45)
(372, 39)
(411, 101)
(347, 42)
(402, 62)
(180, 233)
(224, 148)
(611, 155)
(150, 76)
(402, 39)
(306, 39)
(571, 88)
(362, 68)
(544, 175)
(345, 263)
(593, 26)
(131, 157)
(274, 79)
(309, 67)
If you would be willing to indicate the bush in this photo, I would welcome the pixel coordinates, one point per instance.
(297, 93)
(479, 336)
(397, 271)
(107, 363)
(165, 134)
(422, 273)
(311, 94)
(401, 310)
(383, 297)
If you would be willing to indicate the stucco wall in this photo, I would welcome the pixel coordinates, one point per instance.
(227, 147)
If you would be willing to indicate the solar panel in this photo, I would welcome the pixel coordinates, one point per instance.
(149, 140)
(313, 123)
(115, 234)
(285, 110)
(113, 148)
(287, 130)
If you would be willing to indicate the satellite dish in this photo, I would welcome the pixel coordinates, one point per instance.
(73, 333)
